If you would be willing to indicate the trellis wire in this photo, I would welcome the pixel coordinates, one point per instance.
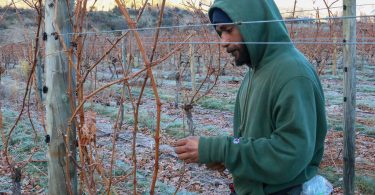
(230, 23)
(324, 8)
(250, 43)
(210, 24)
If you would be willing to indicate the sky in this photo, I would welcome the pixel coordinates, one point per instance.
(311, 4)
(284, 5)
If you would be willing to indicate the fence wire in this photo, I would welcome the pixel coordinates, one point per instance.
(324, 8)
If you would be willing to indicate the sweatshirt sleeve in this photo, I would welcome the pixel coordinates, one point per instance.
(282, 156)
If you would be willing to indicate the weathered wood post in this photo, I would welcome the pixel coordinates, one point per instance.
(62, 176)
(363, 50)
(334, 63)
(2, 71)
(349, 95)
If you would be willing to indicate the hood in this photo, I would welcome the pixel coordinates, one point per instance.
(257, 10)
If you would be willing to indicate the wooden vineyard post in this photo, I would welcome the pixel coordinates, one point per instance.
(349, 95)
(363, 50)
(334, 63)
(2, 70)
(62, 176)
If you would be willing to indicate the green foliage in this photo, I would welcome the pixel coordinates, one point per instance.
(107, 111)
(332, 175)
(169, 97)
(210, 128)
(366, 88)
(147, 119)
(370, 132)
(38, 170)
(114, 20)
(23, 138)
(175, 129)
(21, 146)
(116, 11)
(146, 93)
(129, 119)
(9, 16)
(370, 79)
(365, 184)
(107, 20)
(104, 20)
(121, 168)
(218, 104)
(335, 124)
(7, 117)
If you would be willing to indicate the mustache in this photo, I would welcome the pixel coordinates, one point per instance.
(230, 50)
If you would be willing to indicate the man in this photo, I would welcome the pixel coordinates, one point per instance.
(279, 117)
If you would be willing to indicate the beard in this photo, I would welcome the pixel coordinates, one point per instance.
(239, 62)
(242, 57)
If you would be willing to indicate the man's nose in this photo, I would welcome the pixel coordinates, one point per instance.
(224, 41)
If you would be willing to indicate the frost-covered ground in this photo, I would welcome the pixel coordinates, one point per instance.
(212, 115)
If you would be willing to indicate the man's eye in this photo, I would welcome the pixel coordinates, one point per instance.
(219, 32)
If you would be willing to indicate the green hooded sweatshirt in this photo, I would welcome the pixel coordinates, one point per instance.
(279, 117)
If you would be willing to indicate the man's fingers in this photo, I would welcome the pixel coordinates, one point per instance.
(188, 156)
(181, 142)
(184, 156)
(187, 149)
(180, 149)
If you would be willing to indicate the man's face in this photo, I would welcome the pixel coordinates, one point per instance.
(231, 33)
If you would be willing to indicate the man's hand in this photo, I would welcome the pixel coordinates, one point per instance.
(187, 149)
(216, 166)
